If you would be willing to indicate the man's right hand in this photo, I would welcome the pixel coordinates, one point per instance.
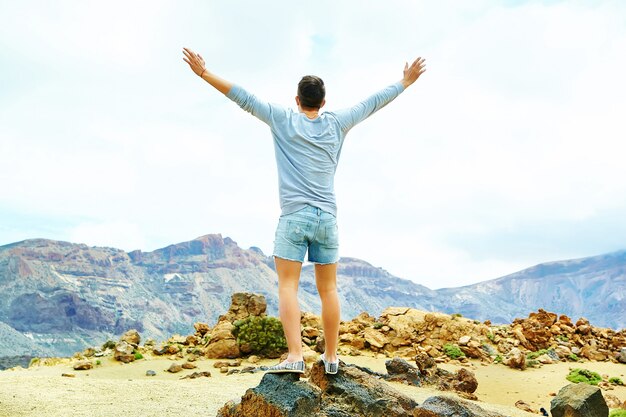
(412, 73)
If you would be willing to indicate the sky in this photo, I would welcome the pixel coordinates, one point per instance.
(509, 151)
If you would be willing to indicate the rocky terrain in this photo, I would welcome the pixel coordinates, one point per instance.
(58, 297)
(424, 338)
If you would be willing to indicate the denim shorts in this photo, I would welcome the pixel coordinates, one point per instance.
(311, 229)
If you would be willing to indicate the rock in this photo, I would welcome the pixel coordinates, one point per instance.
(227, 364)
(463, 341)
(374, 338)
(223, 343)
(244, 305)
(68, 375)
(612, 401)
(150, 372)
(189, 365)
(253, 359)
(355, 392)
(224, 370)
(83, 365)
(131, 337)
(160, 349)
(621, 356)
(562, 351)
(197, 375)
(515, 359)
(277, 395)
(310, 332)
(201, 328)
(124, 352)
(545, 359)
(524, 406)
(174, 368)
(402, 371)
(192, 357)
(465, 381)
(227, 348)
(579, 400)
(443, 406)
(191, 340)
(425, 363)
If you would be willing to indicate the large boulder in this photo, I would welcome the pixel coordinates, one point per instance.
(351, 392)
(444, 406)
(579, 400)
(223, 344)
(278, 395)
(621, 356)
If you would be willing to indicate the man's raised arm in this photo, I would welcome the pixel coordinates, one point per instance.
(356, 114)
(196, 63)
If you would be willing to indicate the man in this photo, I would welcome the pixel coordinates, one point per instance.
(307, 145)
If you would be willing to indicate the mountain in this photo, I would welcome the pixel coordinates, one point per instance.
(60, 297)
(593, 287)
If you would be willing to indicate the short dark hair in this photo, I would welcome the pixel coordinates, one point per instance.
(311, 91)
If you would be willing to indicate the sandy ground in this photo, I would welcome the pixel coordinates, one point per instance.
(115, 389)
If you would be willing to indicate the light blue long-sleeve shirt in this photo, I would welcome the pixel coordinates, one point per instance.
(308, 150)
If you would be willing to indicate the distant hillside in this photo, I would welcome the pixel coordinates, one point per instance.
(594, 288)
(61, 297)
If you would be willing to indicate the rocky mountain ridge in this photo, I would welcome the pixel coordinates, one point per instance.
(62, 296)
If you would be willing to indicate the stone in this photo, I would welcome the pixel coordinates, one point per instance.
(545, 359)
(227, 348)
(277, 395)
(612, 401)
(189, 365)
(515, 359)
(195, 375)
(174, 368)
(401, 371)
(244, 305)
(621, 356)
(150, 372)
(465, 381)
(464, 340)
(579, 400)
(424, 362)
(192, 357)
(310, 332)
(131, 337)
(524, 406)
(374, 338)
(444, 406)
(253, 359)
(68, 375)
(83, 366)
(160, 349)
(224, 370)
(355, 392)
(191, 340)
(227, 364)
(201, 328)
(124, 352)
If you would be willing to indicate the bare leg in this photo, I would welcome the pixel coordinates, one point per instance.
(326, 280)
(288, 307)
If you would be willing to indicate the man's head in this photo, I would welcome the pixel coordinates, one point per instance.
(311, 92)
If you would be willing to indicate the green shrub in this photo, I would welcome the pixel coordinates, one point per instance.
(615, 380)
(491, 336)
(532, 363)
(98, 362)
(456, 316)
(498, 359)
(34, 361)
(377, 325)
(572, 357)
(109, 344)
(617, 413)
(562, 338)
(264, 335)
(138, 356)
(584, 375)
(535, 355)
(453, 351)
